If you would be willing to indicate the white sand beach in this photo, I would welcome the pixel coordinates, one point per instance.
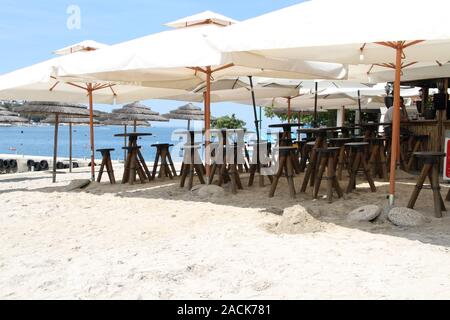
(157, 241)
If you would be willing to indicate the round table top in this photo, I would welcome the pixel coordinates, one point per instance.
(429, 154)
(133, 134)
(375, 124)
(311, 130)
(285, 125)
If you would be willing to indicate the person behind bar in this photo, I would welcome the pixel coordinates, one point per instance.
(390, 114)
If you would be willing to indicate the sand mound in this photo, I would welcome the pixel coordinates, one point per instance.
(77, 184)
(298, 220)
(207, 191)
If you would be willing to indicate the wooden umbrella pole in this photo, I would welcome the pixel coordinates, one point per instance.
(207, 99)
(70, 147)
(134, 125)
(299, 117)
(55, 147)
(395, 143)
(189, 125)
(91, 127)
(125, 144)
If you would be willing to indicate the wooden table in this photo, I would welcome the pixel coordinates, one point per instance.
(287, 130)
(320, 142)
(135, 162)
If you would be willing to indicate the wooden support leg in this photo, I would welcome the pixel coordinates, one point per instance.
(281, 164)
(322, 166)
(367, 174)
(373, 160)
(233, 179)
(126, 172)
(143, 165)
(354, 171)
(290, 175)
(102, 166)
(253, 168)
(199, 170)
(331, 179)
(436, 191)
(140, 171)
(110, 169)
(155, 164)
(412, 158)
(423, 175)
(335, 181)
(172, 166)
(191, 176)
(341, 162)
(133, 169)
(383, 163)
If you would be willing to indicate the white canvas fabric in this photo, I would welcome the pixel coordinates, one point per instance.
(239, 89)
(202, 18)
(169, 59)
(86, 45)
(335, 31)
(38, 82)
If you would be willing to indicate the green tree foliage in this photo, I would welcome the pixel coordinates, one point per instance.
(228, 122)
(323, 118)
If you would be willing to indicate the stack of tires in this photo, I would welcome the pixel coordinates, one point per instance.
(8, 166)
(37, 165)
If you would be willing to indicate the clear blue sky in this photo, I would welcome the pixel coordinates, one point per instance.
(30, 30)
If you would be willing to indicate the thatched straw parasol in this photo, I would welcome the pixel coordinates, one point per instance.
(187, 112)
(57, 109)
(12, 119)
(70, 121)
(137, 112)
(114, 121)
(7, 113)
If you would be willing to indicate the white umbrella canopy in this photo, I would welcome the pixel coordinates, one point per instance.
(338, 30)
(172, 59)
(418, 71)
(335, 36)
(235, 89)
(202, 18)
(38, 82)
(86, 45)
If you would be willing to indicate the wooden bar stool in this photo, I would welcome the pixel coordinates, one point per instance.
(191, 164)
(106, 162)
(228, 170)
(245, 167)
(311, 169)
(431, 170)
(166, 168)
(256, 164)
(358, 164)
(133, 166)
(420, 143)
(327, 160)
(342, 155)
(377, 159)
(286, 166)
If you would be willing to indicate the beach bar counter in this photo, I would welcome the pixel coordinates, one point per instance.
(434, 111)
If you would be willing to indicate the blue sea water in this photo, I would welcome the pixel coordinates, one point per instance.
(38, 140)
